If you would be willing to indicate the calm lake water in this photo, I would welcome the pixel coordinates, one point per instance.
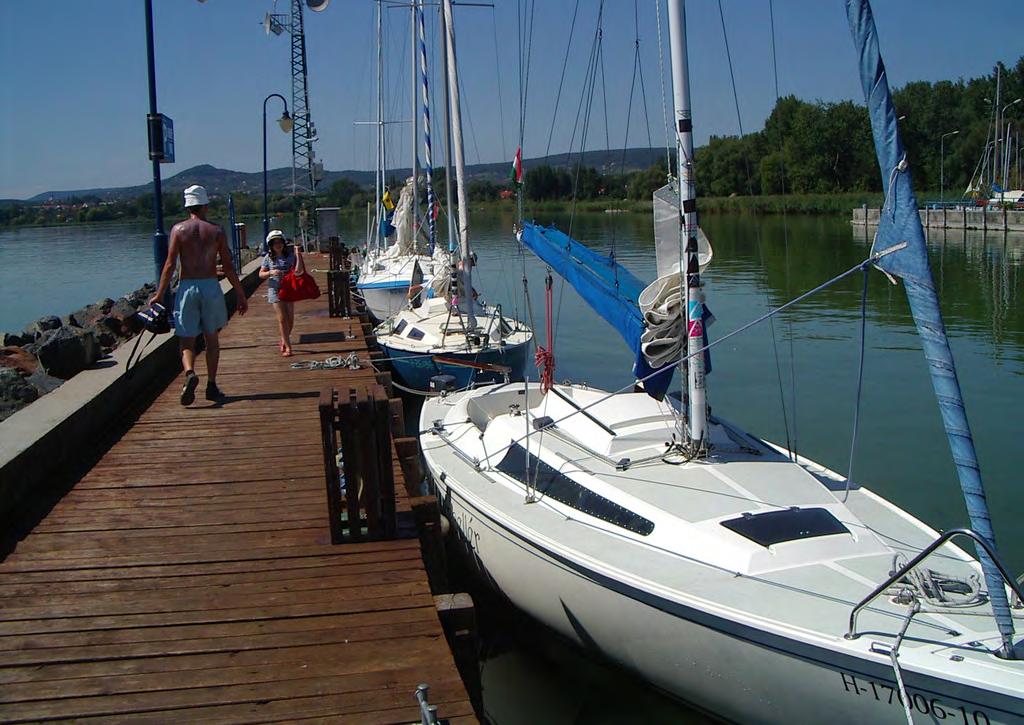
(902, 452)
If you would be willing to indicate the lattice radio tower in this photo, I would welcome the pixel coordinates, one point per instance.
(306, 171)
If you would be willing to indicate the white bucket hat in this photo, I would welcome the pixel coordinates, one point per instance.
(274, 234)
(195, 195)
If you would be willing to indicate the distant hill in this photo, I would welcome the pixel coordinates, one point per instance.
(219, 182)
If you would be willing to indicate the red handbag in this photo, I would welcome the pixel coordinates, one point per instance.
(297, 287)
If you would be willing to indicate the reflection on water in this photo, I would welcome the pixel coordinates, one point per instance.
(902, 452)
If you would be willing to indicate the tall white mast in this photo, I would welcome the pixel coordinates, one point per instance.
(460, 167)
(693, 366)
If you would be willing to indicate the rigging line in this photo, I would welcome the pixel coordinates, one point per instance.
(588, 81)
(561, 79)
(785, 234)
(664, 105)
(497, 66)
(586, 101)
(643, 95)
(758, 236)
(469, 114)
(860, 381)
(604, 98)
(529, 56)
(629, 113)
(870, 260)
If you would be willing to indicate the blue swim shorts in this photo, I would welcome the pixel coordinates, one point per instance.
(199, 307)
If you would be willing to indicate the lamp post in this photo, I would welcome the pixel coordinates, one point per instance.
(285, 122)
(942, 166)
(159, 235)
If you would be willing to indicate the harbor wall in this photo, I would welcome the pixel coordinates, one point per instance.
(966, 217)
(64, 426)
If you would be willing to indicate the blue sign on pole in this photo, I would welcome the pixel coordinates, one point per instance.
(161, 138)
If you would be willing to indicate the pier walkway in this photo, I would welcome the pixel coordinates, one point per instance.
(189, 575)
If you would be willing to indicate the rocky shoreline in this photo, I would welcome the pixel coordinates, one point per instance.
(53, 349)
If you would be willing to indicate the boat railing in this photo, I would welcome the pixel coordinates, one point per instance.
(925, 553)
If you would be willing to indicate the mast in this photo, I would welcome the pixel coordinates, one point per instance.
(415, 122)
(428, 164)
(378, 181)
(447, 136)
(466, 276)
(692, 368)
(999, 124)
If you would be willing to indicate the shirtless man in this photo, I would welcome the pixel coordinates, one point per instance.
(199, 303)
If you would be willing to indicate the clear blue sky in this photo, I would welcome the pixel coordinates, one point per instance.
(75, 93)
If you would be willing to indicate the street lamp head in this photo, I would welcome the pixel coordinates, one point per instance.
(286, 122)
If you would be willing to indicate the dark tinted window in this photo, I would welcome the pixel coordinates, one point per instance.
(401, 326)
(563, 489)
(775, 527)
(415, 334)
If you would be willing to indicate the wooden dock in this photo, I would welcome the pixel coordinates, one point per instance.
(190, 575)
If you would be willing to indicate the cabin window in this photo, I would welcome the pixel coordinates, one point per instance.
(563, 489)
(793, 524)
(402, 324)
(415, 334)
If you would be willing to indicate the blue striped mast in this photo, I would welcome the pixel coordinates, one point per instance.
(427, 156)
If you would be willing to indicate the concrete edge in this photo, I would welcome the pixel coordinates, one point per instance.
(52, 431)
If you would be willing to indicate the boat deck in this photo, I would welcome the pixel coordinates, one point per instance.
(189, 574)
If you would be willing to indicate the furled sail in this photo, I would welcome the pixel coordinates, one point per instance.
(405, 244)
(900, 222)
(608, 287)
(661, 303)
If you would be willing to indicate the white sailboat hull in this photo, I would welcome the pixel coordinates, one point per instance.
(714, 667)
(757, 647)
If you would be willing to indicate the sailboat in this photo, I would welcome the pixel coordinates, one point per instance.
(722, 568)
(388, 270)
(446, 330)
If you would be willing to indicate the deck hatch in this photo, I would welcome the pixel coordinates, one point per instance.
(792, 524)
(563, 489)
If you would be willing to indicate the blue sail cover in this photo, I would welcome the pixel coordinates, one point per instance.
(608, 287)
(900, 222)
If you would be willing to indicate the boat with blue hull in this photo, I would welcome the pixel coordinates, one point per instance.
(421, 343)
(444, 328)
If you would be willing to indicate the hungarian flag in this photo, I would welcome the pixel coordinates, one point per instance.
(517, 167)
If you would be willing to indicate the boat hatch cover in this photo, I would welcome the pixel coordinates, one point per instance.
(776, 527)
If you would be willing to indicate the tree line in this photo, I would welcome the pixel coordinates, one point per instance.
(804, 148)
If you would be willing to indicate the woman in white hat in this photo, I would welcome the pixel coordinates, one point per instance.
(280, 260)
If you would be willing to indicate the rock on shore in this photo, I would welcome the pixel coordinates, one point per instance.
(51, 350)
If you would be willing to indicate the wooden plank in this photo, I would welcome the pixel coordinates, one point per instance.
(107, 706)
(188, 576)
